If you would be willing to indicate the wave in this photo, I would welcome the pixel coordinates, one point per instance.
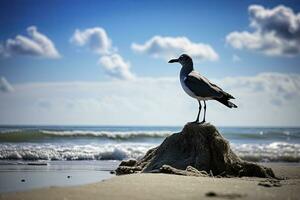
(11, 130)
(72, 152)
(33, 135)
(263, 135)
(29, 135)
(273, 152)
(110, 135)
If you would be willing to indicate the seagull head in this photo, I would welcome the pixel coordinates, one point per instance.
(183, 60)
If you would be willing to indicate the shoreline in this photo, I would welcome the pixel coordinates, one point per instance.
(24, 176)
(164, 186)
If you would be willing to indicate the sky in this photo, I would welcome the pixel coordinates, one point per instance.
(105, 62)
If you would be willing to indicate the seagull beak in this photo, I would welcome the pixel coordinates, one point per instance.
(173, 60)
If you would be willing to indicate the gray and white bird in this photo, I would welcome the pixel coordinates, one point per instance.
(199, 87)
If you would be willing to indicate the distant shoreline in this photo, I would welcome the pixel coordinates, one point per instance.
(140, 126)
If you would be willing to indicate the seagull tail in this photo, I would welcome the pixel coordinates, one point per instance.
(226, 102)
(231, 105)
(229, 96)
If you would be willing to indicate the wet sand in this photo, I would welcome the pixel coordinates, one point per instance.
(23, 176)
(162, 186)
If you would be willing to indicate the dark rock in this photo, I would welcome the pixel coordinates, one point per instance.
(189, 171)
(264, 184)
(270, 183)
(224, 196)
(23, 180)
(211, 194)
(127, 170)
(198, 147)
(129, 163)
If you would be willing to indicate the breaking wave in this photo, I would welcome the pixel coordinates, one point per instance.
(273, 152)
(34, 135)
(72, 152)
(30, 135)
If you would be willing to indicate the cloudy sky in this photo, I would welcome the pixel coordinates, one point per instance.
(105, 62)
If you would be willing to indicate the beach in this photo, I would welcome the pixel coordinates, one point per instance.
(142, 100)
(66, 162)
(163, 186)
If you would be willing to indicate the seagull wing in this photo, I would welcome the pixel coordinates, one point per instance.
(229, 96)
(201, 87)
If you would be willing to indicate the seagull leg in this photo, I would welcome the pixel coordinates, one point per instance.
(204, 112)
(197, 120)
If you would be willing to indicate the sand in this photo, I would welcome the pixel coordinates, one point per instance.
(164, 186)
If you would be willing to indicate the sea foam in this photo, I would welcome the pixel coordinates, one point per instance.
(275, 152)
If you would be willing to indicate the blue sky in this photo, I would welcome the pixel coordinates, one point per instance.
(126, 23)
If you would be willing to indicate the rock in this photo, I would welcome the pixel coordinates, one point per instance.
(197, 148)
(211, 194)
(264, 184)
(224, 196)
(129, 163)
(189, 171)
(270, 183)
(128, 170)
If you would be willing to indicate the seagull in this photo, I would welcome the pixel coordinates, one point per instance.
(199, 87)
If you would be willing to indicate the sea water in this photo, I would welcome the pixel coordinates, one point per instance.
(69, 143)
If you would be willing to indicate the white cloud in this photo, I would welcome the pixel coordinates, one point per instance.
(95, 38)
(278, 87)
(276, 32)
(116, 66)
(98, 42)
(5, 86)
(264, 99)
(36, 45)
(171, 47)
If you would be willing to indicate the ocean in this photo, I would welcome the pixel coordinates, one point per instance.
(69, 143)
